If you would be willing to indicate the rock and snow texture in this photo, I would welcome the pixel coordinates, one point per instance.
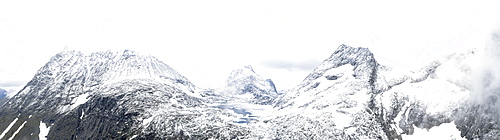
(17, 131)
(8, 128)
(113, 95)
(333, 101)
(247, 86)
(70, 76)
(246, 94)
(347, 65)
(351, 96)
(125, 95)
(445, 131)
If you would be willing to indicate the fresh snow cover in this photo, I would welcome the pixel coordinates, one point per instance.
(330, 91)
(145, 122)
(438, 95)
(441, 91)
(83, 113)
(44, 131)
(191, 92)
(81, 99)
(21, 92)
(8, 128)
(133, 137)
(344, 73)
(17, 131)
(445, 131)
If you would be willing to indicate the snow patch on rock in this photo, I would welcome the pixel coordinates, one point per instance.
(79, 100)
(8, 128)
(445, 131)
(17, 131)
(44, 131)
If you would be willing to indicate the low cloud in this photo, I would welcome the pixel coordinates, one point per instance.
(486, 74)
(308, 65)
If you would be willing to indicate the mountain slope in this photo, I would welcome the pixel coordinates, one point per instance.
(351, 96)
(111, 95)
(336, 95)
(126, 95)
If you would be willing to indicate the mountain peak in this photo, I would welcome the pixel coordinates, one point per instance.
(244, 72)
(119, 89)
(350, 55)
(345, 63)
(249, 67)
(360, 58)
(98, 68)
(245, 68)
(244, 81)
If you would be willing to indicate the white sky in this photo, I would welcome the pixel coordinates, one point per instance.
(204, 40)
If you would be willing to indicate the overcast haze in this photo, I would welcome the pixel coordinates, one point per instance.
(205, 40)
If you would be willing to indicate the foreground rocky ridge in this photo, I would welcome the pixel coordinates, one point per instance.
(126, 95)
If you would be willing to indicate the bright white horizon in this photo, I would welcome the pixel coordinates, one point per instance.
(205, 40)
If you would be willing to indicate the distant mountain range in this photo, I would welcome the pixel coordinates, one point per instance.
(127, 95)
(2, 93)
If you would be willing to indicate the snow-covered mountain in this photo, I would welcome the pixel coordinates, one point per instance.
(334, 101)
(127, 95)
(244, 85)
(112, 95)
(351, 96)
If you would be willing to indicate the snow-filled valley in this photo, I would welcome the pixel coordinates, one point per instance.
(127, 95)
